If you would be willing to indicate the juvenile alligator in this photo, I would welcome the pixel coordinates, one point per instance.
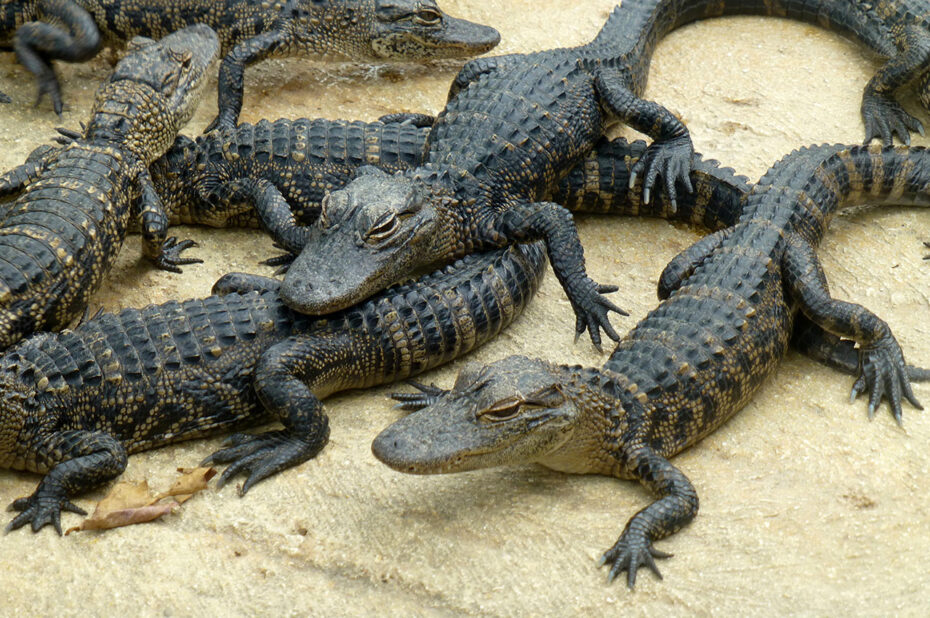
(514, 124)
(280, 171)
(690, 364)
(76, 403)
(250, 30)
(59, 238)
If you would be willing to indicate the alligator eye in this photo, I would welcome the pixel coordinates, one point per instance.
(503, 411)
(385, 226)
(427, 17)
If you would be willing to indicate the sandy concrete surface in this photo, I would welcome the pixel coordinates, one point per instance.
(806, 506)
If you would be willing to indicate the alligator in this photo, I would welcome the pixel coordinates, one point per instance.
(729, 308)
(76, 403)
(249, 30)
(513, 124)
(61, 235)
(277, 173)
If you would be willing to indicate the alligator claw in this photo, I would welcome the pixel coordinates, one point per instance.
(411, 402)
(630, 552)
(591, 313)
(42, 508)
(283, 262)
(670, 158)
(884, 374)
(170, 257)
(259, 455)
(885, 118)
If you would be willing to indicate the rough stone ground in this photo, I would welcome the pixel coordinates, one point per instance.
(806, 507)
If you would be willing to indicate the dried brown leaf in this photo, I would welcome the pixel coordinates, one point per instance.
(131, 503)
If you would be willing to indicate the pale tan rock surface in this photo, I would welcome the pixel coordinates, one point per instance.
(806, 507)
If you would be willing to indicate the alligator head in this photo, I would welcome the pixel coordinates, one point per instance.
(154, 91)
(387, 30)
(376, 231)
(511, 411)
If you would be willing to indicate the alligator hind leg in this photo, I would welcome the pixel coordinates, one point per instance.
(670, 153)
(685, 263)
(881, 367)
(284, 377)
(836, 352)
(79, 461)
(72, 35)
(677, 505)
(883, 116)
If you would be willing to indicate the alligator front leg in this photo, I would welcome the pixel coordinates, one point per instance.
(164, 252)
(670, 153)
(550, 222)
(677, 505)
(232, 68)
(65, 31)
(79, 461)
(284, 377)
(883, 116)
(881, 366)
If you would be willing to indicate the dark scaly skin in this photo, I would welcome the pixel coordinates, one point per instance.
(60, 236)
(729, 311)
(249, 30)
(76, 403)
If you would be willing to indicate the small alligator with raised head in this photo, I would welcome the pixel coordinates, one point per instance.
(61, 235)
(514, 124)
(75, 403)
(249, 30)
(729, 311)
(278, 172)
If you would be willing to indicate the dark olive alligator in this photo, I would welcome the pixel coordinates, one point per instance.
(280, 171)
(76, 403)
(514, 124)
(60, 236)
(250, 30)
(689, 365)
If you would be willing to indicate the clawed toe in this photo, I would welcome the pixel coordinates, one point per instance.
(884, 374)
(170, 257)
(260, 456)
(629, 554)
(411, 402)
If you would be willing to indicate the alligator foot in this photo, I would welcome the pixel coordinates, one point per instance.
(48, 85)
(672, 160)
(5, 98)
(927, 245)
(259, 455)
(631, 551)
(883, 373)
(591, 311)
(41, 508)
(411, 402)
(170, 257)
(885, 118)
